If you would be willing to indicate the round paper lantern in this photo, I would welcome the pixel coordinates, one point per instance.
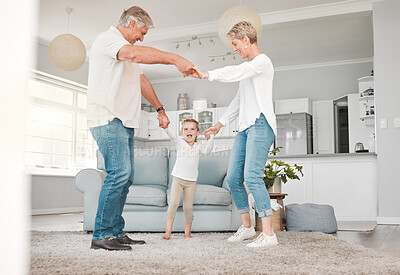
(67, 52)
(235, 15)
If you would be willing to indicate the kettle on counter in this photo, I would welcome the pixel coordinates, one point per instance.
(359, 147)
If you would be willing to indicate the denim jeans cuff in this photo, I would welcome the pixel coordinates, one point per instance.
(120, 235)
(244, 210)
(102, 237)
(265, 213)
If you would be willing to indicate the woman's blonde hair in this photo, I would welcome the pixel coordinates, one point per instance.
(242, 29)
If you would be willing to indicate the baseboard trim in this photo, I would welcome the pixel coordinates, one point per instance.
(56, 211)
(388, 220)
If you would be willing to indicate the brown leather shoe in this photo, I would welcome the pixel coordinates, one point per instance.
(109, 244)
(126, 240)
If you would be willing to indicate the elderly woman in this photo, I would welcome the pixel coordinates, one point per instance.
(257, 128)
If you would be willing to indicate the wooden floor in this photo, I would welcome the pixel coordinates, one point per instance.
(384, 238)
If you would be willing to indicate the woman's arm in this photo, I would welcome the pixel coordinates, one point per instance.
(238, 72)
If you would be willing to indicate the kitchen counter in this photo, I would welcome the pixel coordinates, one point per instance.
(347, 182)
(323, 155)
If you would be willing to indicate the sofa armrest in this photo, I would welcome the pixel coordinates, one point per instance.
(89, 180)
(225, 184)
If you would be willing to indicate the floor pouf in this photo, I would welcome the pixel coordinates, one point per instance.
(310, 217)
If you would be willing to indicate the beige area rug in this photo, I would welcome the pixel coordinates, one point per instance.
(207, 253)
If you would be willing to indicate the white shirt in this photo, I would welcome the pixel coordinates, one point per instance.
(187, 157)
(254, 95)
(113, 85)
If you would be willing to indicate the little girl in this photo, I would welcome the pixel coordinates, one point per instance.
(185, 172)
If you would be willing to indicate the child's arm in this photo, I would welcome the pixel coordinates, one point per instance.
(172, 136)
(207, 148)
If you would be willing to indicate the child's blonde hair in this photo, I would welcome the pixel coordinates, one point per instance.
(192, 120)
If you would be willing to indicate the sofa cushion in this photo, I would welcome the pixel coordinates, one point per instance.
(151, 166)
(212, 167)
(310, 217)
(145, 195)
(207, 195)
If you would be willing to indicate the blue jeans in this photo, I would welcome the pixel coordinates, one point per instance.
(115, 143)
(247, 162)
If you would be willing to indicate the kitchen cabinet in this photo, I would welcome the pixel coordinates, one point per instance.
(143, 131)
(367, 100)
(323, 127)
(154, 131)
(347, 182)
(297, 105)
(229, 130)
(206, 118)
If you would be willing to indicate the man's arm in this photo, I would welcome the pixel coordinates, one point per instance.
(150, 95)
(148, 55)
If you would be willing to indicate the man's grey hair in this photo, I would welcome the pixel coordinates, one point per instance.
(243, 29)
(138, 14)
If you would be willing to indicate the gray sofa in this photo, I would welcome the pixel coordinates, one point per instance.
(147, 201)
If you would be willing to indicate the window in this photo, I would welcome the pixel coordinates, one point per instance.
(57, 135)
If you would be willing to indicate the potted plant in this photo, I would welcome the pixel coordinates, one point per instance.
(277, 170)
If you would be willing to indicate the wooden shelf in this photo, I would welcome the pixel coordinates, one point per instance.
(367, 117)
(366, 97)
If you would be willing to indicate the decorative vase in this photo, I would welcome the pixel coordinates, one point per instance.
(276, 187)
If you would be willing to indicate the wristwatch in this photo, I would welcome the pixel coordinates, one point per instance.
(159, 109)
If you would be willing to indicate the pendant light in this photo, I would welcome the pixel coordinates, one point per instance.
(235, 15)
(66, 51)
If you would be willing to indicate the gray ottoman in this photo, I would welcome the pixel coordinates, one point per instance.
(310, 217)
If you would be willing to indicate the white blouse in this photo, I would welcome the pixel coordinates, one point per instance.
(187, 157)
(254, 95)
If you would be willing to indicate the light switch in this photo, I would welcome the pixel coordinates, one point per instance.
(383, 122)
(396, 122)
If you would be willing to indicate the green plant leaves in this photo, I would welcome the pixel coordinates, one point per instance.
(279, 168)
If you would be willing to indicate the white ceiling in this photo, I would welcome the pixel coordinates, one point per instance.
(295, 32)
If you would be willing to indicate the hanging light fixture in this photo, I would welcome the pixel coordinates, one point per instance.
(194, 38)
(66, 51)
(235, 15)
(223, 56)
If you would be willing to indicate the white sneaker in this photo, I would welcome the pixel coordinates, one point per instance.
(263, 240)
(242, 234)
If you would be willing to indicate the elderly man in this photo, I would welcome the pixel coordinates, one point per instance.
(115, 86)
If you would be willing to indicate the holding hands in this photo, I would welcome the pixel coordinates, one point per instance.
(163, 120)
(213, 130)
(197, 73)
(208, 133)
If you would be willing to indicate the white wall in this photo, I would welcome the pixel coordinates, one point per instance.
(55, 194)
(44, 65)
(317, 83)
(387, 98)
